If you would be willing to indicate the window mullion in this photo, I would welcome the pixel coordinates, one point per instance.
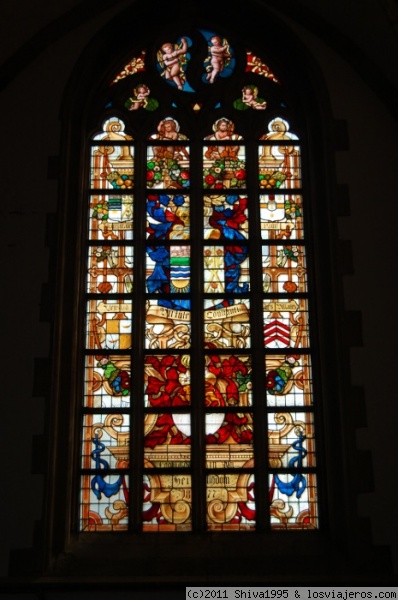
(259, 413)
(137, 351)
(197, 354)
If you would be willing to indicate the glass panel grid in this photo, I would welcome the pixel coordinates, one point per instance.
(171, 263)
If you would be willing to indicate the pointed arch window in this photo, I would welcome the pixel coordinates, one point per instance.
(198, 408)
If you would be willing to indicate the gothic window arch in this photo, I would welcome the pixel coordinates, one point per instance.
(198, 409)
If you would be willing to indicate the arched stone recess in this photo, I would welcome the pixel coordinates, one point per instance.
(264, 556)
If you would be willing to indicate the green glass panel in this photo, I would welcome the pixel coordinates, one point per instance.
(250, 98)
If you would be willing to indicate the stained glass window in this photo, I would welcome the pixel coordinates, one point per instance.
(198, 404)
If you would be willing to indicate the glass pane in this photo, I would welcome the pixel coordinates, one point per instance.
(279, 167)
(109, 324)
(140, 98)
(227, 323)
(167, 380)
(291, 439)
(167, 502)
(228, 380)
(135, 65)
(257, 66)
(107, 381)
(224, 163)
(220, 61)
(105, 510)
(230, 502)
(168, 217)
(224, 167)
(168, 167)
(284, 269)
(168, 269)
(250, 98)
(293, 501)
(168, 324)
(229, 440)
(111, 217)
(281, 216)
(226, 269)
(279, 162)
(112, 163)
(106, 439)
(104, 496)
(288, 380)
(168, 161)
(167, 440)
(112, 168)
(110, 269)
(225, 217)
(113, 130)
(286, 323)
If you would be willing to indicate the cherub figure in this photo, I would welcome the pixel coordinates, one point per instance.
(168, 129)
(250, 98)
(140, 97)
(223, 130)
(171, 58)
(219, 54)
